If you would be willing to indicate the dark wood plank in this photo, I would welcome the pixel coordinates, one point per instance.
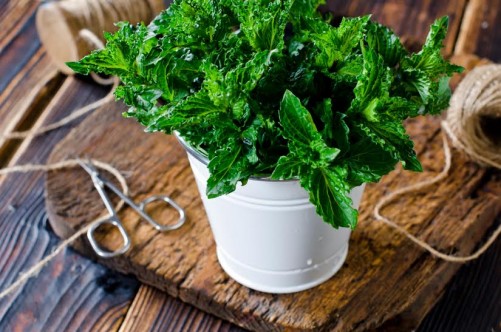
(27, 77)
(472, 302)
(71, 292)
(18, 52)
(13, 15)
(480, 30)
(25, 99)
(153, 310)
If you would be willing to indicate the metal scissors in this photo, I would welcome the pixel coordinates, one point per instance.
(100, 183)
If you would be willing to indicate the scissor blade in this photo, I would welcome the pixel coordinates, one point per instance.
(88, 167)
(98, 184)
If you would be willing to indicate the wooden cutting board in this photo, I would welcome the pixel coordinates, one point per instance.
(387, 281)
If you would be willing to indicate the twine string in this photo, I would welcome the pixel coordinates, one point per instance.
(419, 186)
(26, 168)
(478, 95)
(91, 39)
(34, 270)
(98, 15)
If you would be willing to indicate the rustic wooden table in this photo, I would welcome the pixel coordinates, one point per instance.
(74, 293)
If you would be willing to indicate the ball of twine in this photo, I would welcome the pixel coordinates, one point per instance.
(473, 124)
(474, 117)
(59, 24)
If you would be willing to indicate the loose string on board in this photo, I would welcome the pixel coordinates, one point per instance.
(92, 39)
(476, 100)
(26, 168)
(34, 270)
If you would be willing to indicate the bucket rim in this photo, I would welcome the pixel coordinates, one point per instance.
(205, 160)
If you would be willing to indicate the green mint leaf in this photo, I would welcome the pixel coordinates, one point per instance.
(195, 109)
(227, 167)
(368, 162)
(384, 42)
(329, 193)
(119, 56)
(430, 59)
(304, 139)
(289, 167)
(296, 121)
(373, 85)
(264, 26)
(348, 70)
(230, 90)
(391, 137)
(341, 132)
(301, 7)
(441, 95)
(337, 44)
(400, 108)
(324, 111)
(426, 71)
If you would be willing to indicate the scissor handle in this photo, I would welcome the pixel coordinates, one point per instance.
(105, 253)
(168, 200)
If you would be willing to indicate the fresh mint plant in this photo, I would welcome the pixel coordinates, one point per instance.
(271, 88)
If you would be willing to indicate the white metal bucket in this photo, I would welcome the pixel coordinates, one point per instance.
(268, 235)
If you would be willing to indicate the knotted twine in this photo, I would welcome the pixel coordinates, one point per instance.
(476, 103)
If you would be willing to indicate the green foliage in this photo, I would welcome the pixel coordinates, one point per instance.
(270, 87)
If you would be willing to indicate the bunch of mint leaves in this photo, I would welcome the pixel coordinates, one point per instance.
(271, 88)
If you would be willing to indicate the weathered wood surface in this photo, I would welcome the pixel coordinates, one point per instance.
(471, 303)
(152, 310)
(25, 99)
(480, 30)
(476, 308)
(13, 15)
(71, 292)
(386, 279)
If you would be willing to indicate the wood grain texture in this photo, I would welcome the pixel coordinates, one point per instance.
(467, 307)
(14, 14)
(25, 99)
(27, 78)
(480, 30)
(71, 292)
(152, 310)
(18, 52)
(386, 278)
